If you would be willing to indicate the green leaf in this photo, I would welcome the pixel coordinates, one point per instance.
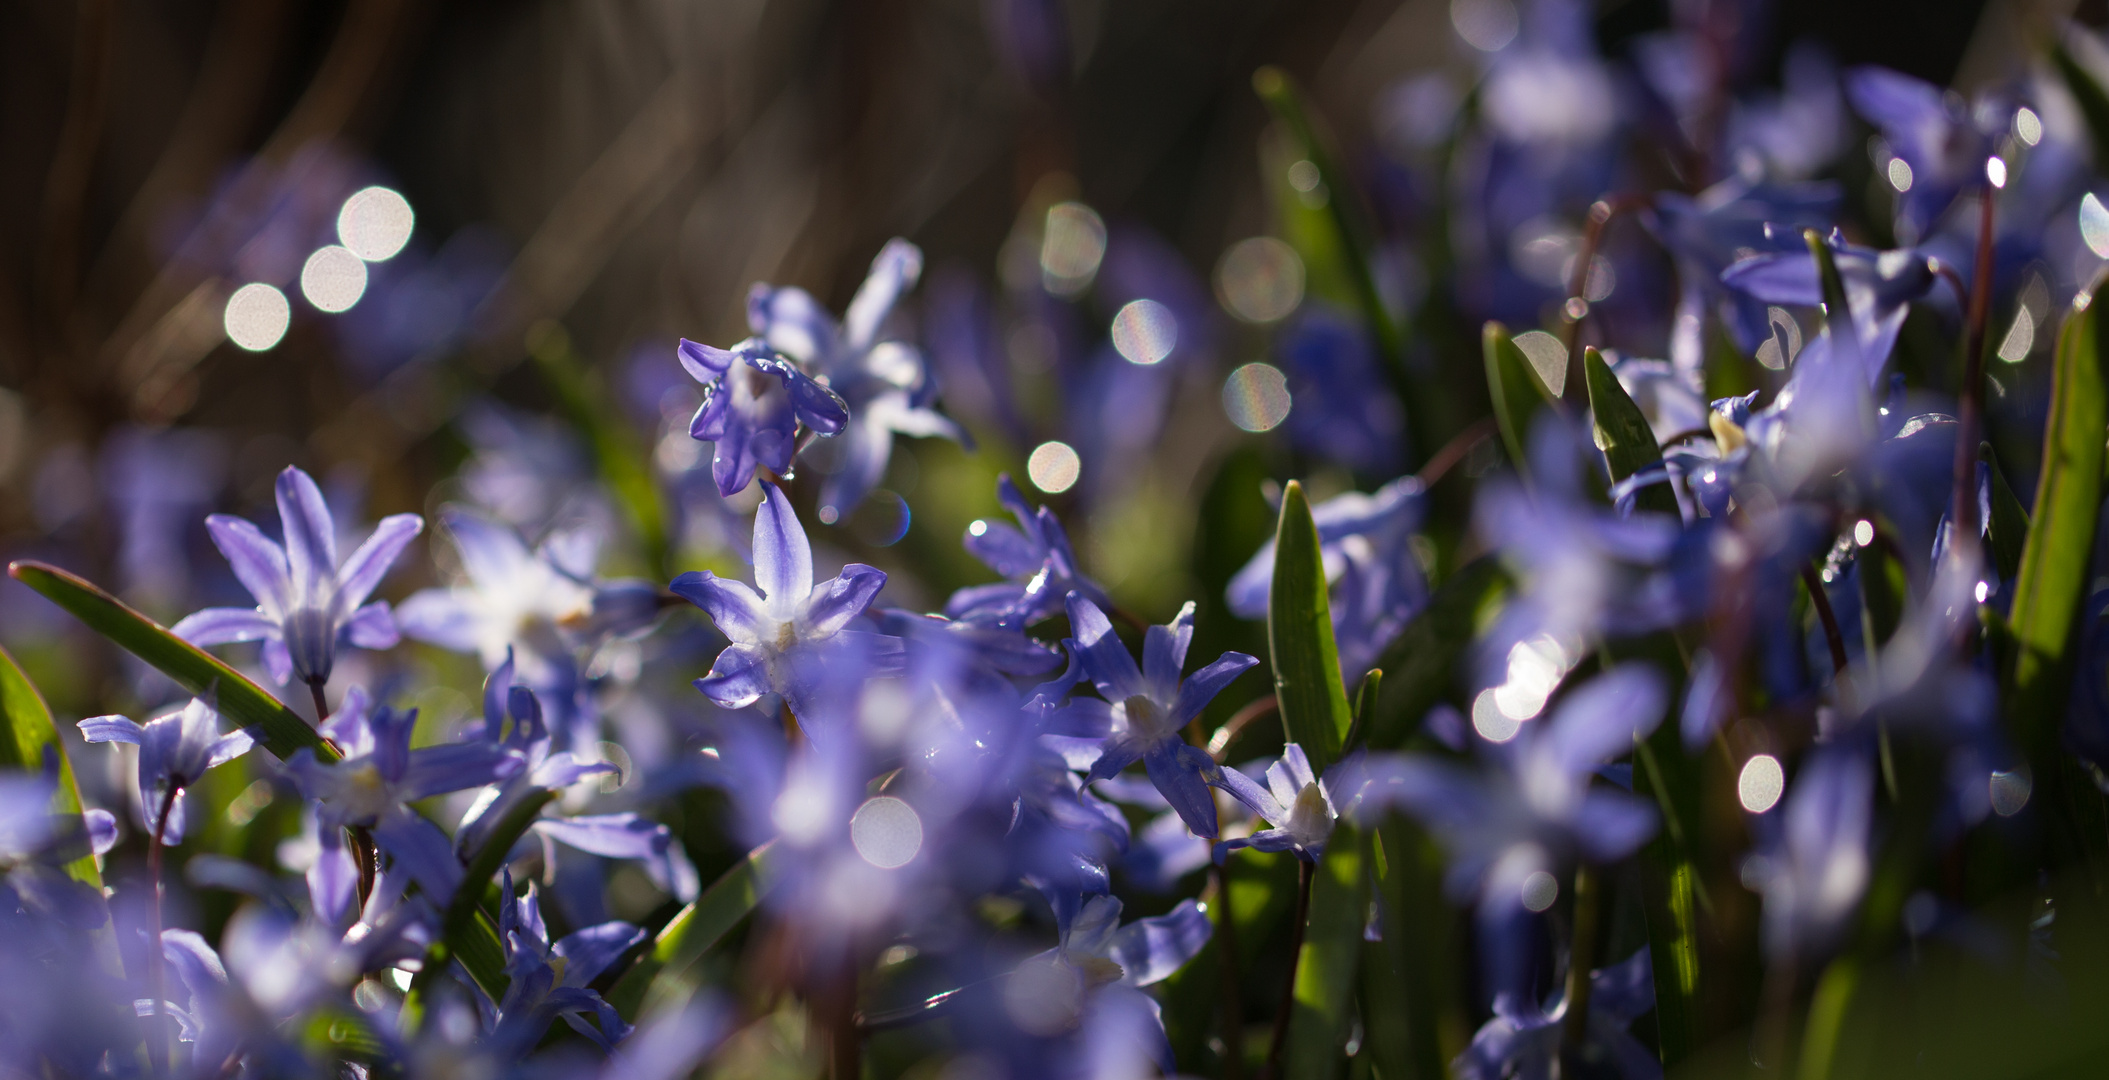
(693, 931)
(1406, 970)
(1300, 637)
(1332, 953)
(1670, 889)
(279, 729)
(1422, 663)
(1622, 433)
(27, 736)
(2053, 574)
(2088, 94)
(1517, 391)
(1365, 707)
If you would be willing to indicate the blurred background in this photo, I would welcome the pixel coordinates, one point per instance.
(443, 251)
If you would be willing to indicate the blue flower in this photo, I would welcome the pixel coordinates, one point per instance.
(753, 401)
(1344, 410)
(378, 775)
(886, 384)
(174, 752)
(550, 981)
(1534, 807)
(1301, 806)
(1522, 1039)
(1377, 585)
(1099, 966)
(1146, 708)
(1879, 288)
(1816, 864)
(784, 637)
(305, 598)
(1708, 233)
(1036, 559)
(1932, 131)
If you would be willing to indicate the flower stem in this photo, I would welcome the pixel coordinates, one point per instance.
(322, 703)
(156, 1040)
(1581, 956)
(1970, 395)
(1304, 873)
(1821, 601)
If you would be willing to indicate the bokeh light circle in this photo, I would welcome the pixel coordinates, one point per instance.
(1145, 332)
(1540, 889)
(1760, 784)
(1054, 467)
(1260, 280)
(1256, 397)
(375, 223)
(886, 832)
(334, 279)
(257, 316)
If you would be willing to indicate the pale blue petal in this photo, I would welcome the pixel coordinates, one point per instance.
(360, 573)
(311, 538)
(783, 560)
(258, 562)
(220, 626)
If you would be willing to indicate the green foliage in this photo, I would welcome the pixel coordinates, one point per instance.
(2088, 95)
(1509, 373)
(2053, 570)
(1300, 637)
(1332, 951)
(247, 705)
(1622, 433)
(692, 933)
(27, 737)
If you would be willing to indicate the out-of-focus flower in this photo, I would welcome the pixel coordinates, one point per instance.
(1035, 557)
(1100, 964)
(753, 402)
(1942, 140)
(783, 637)
(1377, 585)
(305, 598)
(1342, 410)
(550, 981)
(1816, 867)
(174, 752)
(1708, 233)
(1522, 1039)
(885, 383)
(1879, 288)
(1146, 708)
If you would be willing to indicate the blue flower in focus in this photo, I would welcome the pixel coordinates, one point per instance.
(753, 402)
(1146, 708)
(1300, 805)
(174, 752)
(1377, 585)
(305, 598)
(784, 637)
(550, 981)
(1879, 288)
(1522, 1039)
(885, 382)
(1036, 559)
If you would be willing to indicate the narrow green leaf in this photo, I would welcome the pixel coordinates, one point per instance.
(2008, 525)
(1404, 971)
(1834, 301)
(2088, 94)
(27, 735)
(1622, 433)
(279, 729)
(2053, 573)
(1365, 708)
(1516, 390)
(1332, 953)
(1669, 884)
(1300, 637)
(693, 931)
(1422, 662)
(1827, 1012)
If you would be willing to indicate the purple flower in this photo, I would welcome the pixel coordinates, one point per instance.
(1300, 805)
(1344, 410)
(1099, 966)
(753, 401)
(1709, 232)
(1534, 806)
(1932, 131)
(174, 752)
(1147, 707)
(886, 384)
(1377, 585)
(1879, 288)
(784, 637)
(1522, 1039)
(1816, 865)
(305, 598)
(1036, 559)
(550, 981)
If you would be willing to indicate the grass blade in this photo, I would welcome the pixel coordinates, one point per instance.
(1622, 433)
(693, 931)
(1300, 637)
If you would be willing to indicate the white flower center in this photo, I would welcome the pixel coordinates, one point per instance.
(1147, 720)
(1310, 817)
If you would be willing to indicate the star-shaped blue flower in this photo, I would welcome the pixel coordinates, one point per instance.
(753, 402)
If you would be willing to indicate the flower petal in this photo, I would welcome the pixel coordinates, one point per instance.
(783, 560)
(1202, 686)
(1150, 950)
(1177, 774)
(372, 627)
(1164, 653)
(311, 537)
(1600, 719)
(360, 573)
(738, 679)
(893, 271)
(704, 363)
(221, 625)
(257, 560)
(615, 836)
(738, 613)
(835, 603)
(111, 729)
(1105, 660)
